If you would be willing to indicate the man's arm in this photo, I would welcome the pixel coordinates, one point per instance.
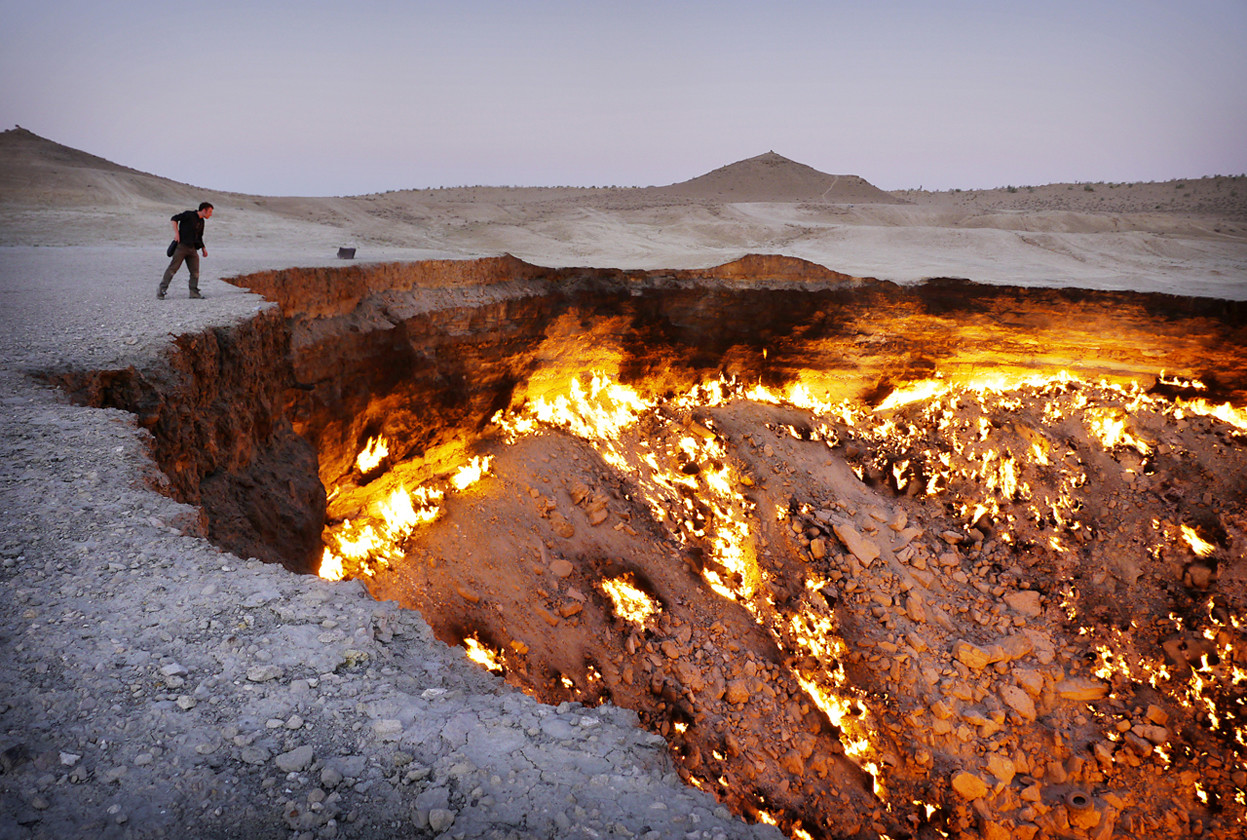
(177, 237)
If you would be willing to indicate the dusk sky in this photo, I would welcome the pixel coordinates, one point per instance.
(339, 98)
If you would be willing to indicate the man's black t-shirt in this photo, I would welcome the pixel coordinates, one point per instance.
(190, 229)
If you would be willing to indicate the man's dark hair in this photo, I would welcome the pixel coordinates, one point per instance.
(204, 205)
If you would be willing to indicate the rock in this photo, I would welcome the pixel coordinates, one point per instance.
(1081, 688)
(1139, 746)
(561, 568)
(863, 549)
(907, 536)
(1199, 576)
(1024, 602)
(1157, 735)
(818, 549)
(897, 523)
(915, 610)
(263, 673)
(1030, 680)
(388, 729)
(737, 691)
(295, 760)
(969, 785)
(562, 527)
(441, 819)
(1001, 767)
(993, 830)
(254, 755)
(972, 656)
(1015, 646)
(597, 513)
(1019, 701)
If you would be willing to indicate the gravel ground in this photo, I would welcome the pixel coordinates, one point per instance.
(155, 686)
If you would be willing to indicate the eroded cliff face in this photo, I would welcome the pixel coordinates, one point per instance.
(426, 353)
(875, 559)
(216, 412)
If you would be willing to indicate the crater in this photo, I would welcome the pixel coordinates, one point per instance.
(876, 560)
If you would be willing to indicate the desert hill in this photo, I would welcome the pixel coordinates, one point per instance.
(35, 171)
(773, 177)
(1189, 236)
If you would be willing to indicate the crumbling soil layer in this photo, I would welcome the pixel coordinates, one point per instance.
(903, 561)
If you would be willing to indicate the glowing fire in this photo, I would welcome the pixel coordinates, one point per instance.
(471, 472)
(372, 454)
(631, 603)
(938, 438)
(482, 655)
(1198, 544)
(359, 548)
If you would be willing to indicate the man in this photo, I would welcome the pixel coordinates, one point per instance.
(188, 233)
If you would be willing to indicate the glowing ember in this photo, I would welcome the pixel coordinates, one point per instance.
(630, 603)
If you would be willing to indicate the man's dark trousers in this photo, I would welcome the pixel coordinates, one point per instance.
(180, 254)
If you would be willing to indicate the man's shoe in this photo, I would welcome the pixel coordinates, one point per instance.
(160, 295)
(196, 296)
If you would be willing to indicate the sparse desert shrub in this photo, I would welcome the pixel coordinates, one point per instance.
(1088, 188)
(1012, 188)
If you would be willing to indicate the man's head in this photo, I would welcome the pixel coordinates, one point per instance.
(205, 209)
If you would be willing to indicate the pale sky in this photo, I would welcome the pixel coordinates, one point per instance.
(345, 98)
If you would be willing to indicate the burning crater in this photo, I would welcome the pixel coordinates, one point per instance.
(945, 560)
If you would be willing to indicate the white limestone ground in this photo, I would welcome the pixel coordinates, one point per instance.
(154, 686)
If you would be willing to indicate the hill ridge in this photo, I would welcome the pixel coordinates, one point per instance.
(772, 177)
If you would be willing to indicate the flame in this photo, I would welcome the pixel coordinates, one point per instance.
(1110, 427)
(631, 603)
(1201, 547)
(964, 440)
(361, 548)
(471, 472)
(331, 566)
(372, 454)
(922, 390)
(482, 655)
(1224, 412)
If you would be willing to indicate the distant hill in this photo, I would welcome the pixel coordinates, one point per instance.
(35, 171)
(773, 177)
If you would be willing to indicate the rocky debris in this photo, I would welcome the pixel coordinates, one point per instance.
(162, 684)
(156, 686)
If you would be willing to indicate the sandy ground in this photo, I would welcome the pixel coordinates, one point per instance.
(155, 685)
